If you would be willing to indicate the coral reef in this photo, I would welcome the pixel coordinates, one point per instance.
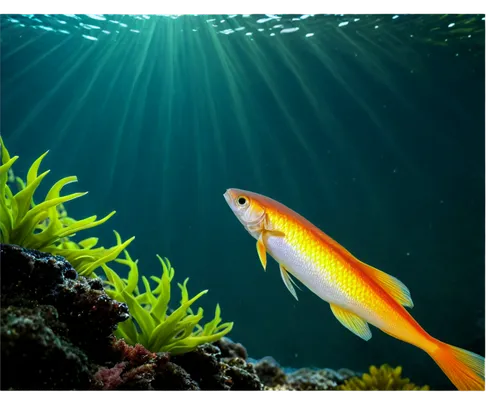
(57, 333)
(383, 378)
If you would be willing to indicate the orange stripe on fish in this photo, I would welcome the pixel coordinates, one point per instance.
(357, 293)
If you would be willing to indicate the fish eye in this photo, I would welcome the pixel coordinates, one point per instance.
(242, 200)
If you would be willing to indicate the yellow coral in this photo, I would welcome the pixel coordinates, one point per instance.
(45, 226)
(383, 378)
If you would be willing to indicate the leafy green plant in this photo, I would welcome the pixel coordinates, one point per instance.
(383, 378)
(153, 325)
(45, 226)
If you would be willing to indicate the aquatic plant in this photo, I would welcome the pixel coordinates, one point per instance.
(45, 226)
(152, 325)
(383, 378)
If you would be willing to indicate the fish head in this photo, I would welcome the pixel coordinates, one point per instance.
(249, 211)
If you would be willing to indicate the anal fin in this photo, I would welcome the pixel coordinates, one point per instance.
(351, 321)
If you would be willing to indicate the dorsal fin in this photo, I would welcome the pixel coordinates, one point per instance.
(393, 286)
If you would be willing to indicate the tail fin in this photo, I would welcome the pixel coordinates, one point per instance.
(464, 368)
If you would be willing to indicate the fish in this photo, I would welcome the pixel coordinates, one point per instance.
(357, 293)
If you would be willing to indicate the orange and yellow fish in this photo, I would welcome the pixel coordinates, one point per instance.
(357, 293)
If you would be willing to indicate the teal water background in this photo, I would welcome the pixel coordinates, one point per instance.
(372, 127)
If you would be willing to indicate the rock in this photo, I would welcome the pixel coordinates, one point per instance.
(230, 349)
(35, 355)
(269, 372)
(52, 321)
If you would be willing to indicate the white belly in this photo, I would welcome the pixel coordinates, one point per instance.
(314, 278)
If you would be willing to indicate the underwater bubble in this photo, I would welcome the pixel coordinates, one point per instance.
(232, 15)
(279, 26)
(47, 28)
(309, 34)
(305, 16)
(344, 23)
(89, 37)
(211, 20)
(245, 15)
(272, 34)
(295, 19)
(395, 17)
(113, 21)
(451, 25)
(106, 32)
(222, 21)
(146, 17)
(249, 34)
(289, 30)
(482, 19)
(63, 31)
(356, 19)
(227, 31)
(376, 26)
(98, 17)
(135, 31)
(260, 29)
(194, 30)
(61, 21)
(15, 21)
(37, 20)
(239, 28)
(72, 16)
(28, 15)
(124, 25)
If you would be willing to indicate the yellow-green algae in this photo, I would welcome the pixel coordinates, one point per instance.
(383, 379)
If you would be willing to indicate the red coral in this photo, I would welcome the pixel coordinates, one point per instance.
(135, 355)
(110, 377)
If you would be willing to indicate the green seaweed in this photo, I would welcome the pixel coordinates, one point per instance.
(152, 325)
(45, 226)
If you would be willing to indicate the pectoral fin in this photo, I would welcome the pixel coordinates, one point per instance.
(287, 279)
(351, 321)
(261, 250)
(261, 247)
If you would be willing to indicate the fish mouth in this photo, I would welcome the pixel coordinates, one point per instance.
(227, 196)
